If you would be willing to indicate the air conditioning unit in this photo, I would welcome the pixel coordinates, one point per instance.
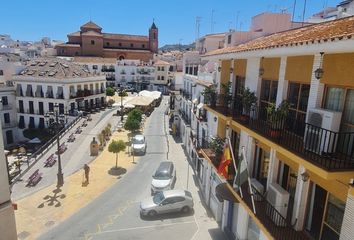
(279, 199)
(320, 134)
(259, 187)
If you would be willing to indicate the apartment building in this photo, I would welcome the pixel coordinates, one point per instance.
(162, 76)
(10, 64)
(7, 215)
(135, 73)
(98, 65)
(262, 24)
(48, 81)
(300, 157)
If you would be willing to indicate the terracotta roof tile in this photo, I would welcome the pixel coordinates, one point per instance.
(74, 34)
(125, 37)
(160, 62)
(91, 24)
(54, 68)
(339, 28)
(91, 33)
(67, 45)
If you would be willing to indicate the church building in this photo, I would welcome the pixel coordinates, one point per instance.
(91, 41)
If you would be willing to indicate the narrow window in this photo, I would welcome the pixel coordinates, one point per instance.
(92, 42)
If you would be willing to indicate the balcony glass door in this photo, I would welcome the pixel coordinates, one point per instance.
(316, 210)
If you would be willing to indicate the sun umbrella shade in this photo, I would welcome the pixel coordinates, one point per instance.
(35, 140)
(141, 101)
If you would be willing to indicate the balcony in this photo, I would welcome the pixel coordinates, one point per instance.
(331, 151)
(278, 226)
(185, 117)
(6, 107)
(186, 95)
(10, 124)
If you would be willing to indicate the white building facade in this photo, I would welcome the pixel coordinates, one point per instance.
(46, 82)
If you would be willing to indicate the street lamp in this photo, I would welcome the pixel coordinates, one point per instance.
(56, 121)
(121, 93)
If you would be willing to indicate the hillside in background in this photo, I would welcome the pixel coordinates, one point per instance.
(182, 47)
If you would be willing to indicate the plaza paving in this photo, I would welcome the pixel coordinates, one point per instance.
(109, 205)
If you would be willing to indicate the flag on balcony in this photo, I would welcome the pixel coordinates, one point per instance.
(241, 172)
(242, 176)
(223, 168)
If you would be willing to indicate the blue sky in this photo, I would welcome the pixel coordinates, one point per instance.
(176, 19)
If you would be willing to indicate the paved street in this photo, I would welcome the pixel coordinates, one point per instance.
(72, 159)
(115, 213)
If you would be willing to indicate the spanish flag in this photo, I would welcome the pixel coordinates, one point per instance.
(223, 168)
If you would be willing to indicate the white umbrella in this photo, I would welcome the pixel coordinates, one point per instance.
(34, 140)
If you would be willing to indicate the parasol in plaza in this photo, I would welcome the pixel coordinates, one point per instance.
(35, 141)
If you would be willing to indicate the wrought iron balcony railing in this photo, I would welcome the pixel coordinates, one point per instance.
(325, 148)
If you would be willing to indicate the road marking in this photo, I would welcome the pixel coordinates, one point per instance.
(145, 227)
(195, 234)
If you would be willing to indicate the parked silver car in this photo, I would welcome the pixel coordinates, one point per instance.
(139, 144)
(166, 202)
(164, 177)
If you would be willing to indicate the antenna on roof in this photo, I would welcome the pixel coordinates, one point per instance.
(292, 18)
(303, 13)
(212, 21)
(197, 27)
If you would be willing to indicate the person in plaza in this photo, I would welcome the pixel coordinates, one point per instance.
(87, 172)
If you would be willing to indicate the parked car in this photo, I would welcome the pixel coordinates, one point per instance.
(164, 177)
(166, 202)
(139, 144)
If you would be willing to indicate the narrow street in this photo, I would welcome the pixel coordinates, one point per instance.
(115, 213)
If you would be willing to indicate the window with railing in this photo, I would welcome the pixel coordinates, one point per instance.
(298, 95)
(4, 101)
(269, 90)
(342, 99)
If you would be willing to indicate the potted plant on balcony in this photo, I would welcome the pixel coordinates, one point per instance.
(226, 89)
(276, 117)
(217, 145)
(248, 100)
(209, 94)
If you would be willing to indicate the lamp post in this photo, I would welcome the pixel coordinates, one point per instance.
(121, 93)
(56, 121)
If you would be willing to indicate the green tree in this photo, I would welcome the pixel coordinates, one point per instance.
(122, 93)
(133, 121)
(135, 114)
(116, 147)
(110, 91)
(132, 125)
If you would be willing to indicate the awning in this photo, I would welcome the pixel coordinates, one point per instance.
(223, 192)
(200, 105)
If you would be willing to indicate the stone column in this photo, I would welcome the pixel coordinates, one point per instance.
(317, 88)
(347, 231)
(232, 75)
(300, 200)
(242, 222)
(7, 216)
(253, 79)
(282, 83)
(273, 167)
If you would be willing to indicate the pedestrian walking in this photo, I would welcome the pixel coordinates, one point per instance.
(87, 172)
